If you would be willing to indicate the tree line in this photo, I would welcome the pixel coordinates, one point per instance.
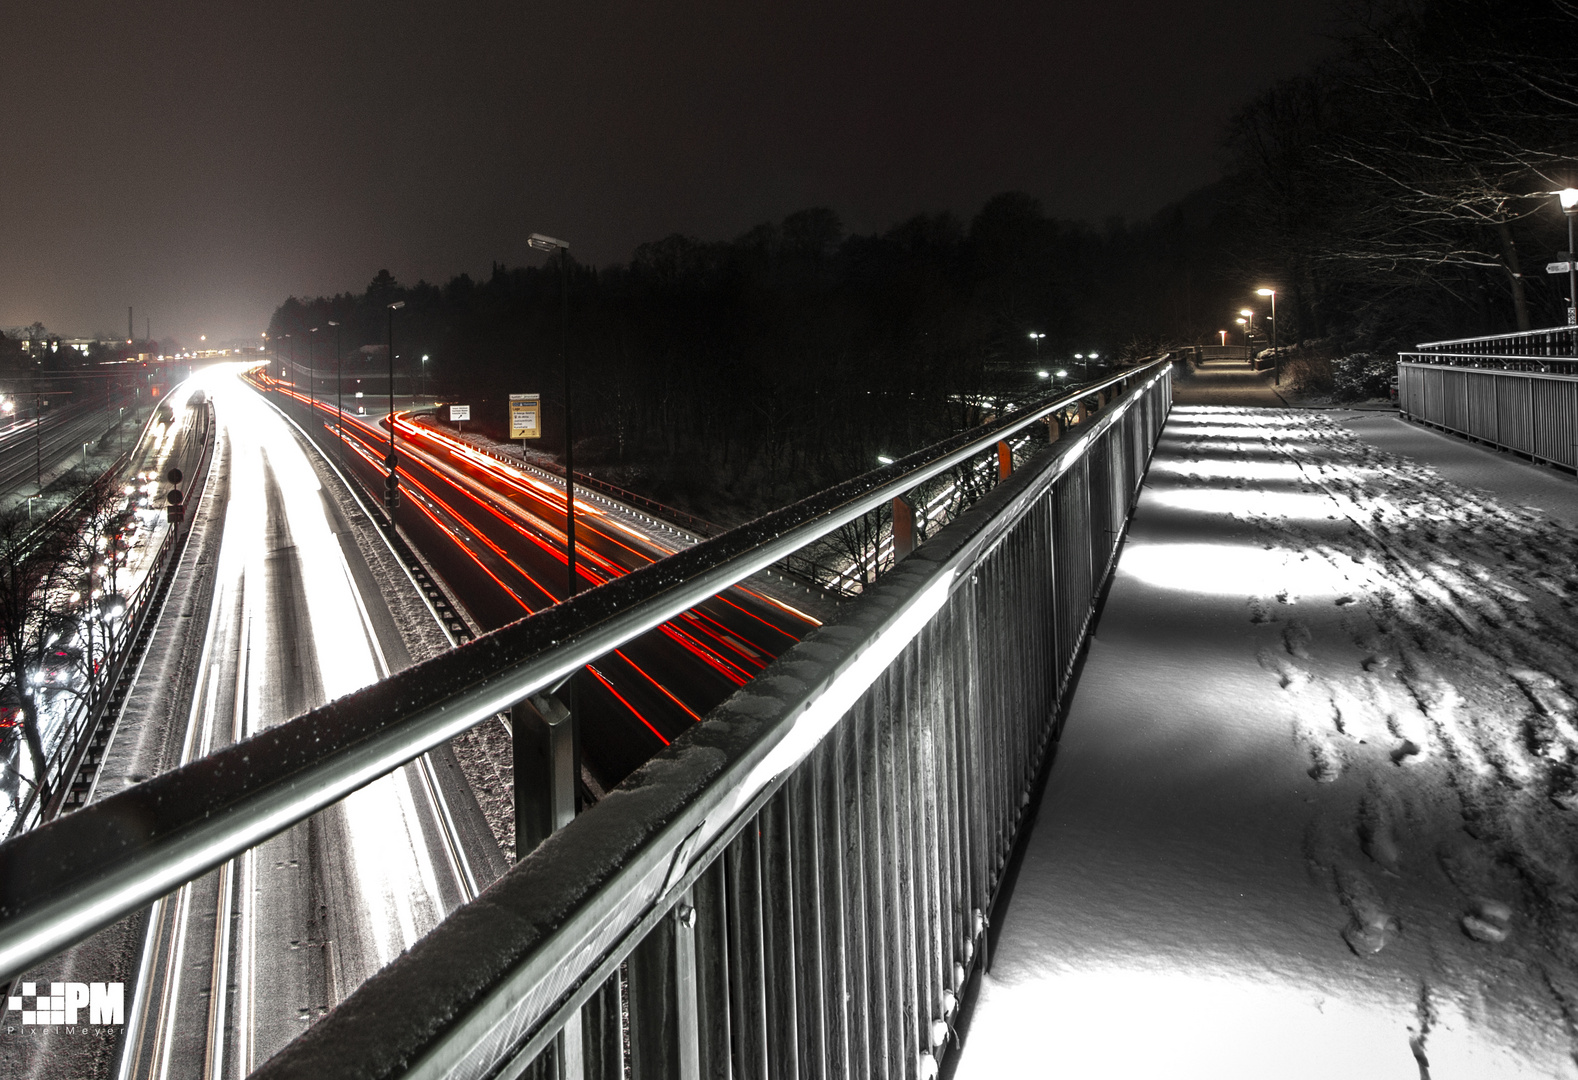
(1396, 193)
(734, 375)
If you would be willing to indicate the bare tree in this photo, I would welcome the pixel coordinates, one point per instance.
(54, 578)
(38, 573)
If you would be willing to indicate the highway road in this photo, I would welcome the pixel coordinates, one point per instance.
(239, 962)
(496, 533)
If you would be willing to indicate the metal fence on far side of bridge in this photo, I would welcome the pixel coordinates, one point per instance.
(1516, 392)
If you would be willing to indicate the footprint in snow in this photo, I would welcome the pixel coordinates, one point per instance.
(1325, 759)
(1296, 640)
(1370, 926)
(1489, 921)
(1404, 750)
(1290, 676)
(1377, 838)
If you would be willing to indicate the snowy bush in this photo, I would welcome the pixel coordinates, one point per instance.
(1308, 374)
(1355, 377)
(1362, 375)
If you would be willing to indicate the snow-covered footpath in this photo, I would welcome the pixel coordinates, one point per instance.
(1315, 811)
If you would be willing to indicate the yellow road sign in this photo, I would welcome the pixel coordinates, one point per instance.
(525, 416)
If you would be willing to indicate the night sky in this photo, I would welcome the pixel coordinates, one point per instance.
(202, 161)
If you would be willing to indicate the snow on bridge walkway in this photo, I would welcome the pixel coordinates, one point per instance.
(1315, 812)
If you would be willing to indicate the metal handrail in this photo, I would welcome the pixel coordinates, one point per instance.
(1545, 332)
(69, 878)
(1542, 363)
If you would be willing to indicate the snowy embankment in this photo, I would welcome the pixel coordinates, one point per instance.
(1315, 810)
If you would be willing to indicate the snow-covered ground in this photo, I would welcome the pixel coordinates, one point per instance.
(1315, 812)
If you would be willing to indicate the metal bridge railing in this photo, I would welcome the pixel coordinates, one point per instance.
(1554, 350)
(839, 827)
(1534, 413)
(1518, 392)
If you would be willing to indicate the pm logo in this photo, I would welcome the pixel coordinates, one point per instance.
(105, 1003)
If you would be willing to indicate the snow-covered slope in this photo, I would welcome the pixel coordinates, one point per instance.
(1315, 810)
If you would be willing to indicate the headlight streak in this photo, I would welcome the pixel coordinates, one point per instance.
(421, 443)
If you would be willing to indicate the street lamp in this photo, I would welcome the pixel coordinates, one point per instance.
(339, 386)
(540, 242)
(392, 480)
(312, 374)
(1248, 320)
(1224, 337)
(1569, 199)
(1276, 357)
(1035, 337)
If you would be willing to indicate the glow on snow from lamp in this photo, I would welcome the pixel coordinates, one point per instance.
(1233, 570)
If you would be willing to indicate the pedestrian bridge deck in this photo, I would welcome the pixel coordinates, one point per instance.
(1311, 811)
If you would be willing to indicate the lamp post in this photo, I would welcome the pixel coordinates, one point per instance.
(547, 243)
(1248, 319)
(424, 374)
(392, 480)
(1036, 338)
(312, 375)
(339, 386)
(1224, 337)
(1569, 199)
(1276, 357)
(1084, 368)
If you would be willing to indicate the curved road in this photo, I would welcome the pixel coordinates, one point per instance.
(239, 962)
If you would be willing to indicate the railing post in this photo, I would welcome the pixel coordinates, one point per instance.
(1005, 461)
(547, 767)
(687, 1003)
(903, 528)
